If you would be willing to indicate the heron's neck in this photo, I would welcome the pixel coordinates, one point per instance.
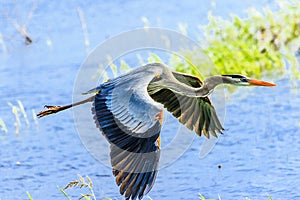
(183, 89)
(202, 91)
(209, 84)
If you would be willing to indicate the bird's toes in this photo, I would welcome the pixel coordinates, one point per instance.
(52, 107)
(50, 110)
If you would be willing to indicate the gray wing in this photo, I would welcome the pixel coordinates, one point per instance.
(131, 122)
(196, 113)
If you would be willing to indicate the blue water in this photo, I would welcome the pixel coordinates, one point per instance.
(259, 152)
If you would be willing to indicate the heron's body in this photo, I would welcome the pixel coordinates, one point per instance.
(129, 112)
(130, 117)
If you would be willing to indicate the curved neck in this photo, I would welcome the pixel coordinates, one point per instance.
(209, 84)
(187, 90)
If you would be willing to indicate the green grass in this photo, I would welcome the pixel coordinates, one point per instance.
(263, 44)
(29, 196)
(3, 126)
(201, 197)
(81, 183)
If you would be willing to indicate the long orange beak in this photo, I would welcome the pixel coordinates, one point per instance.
(260, 83)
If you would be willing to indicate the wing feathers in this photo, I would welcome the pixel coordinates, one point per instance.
(196, 113)
(127, 117)
(134, 159)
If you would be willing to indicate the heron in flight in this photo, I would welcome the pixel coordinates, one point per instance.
(129, 112)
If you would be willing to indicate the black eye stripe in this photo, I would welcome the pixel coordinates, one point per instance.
(235, 76)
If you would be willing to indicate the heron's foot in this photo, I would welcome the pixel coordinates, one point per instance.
(50, 110)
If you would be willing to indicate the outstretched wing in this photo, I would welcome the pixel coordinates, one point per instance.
(131, 123)
(196, 113)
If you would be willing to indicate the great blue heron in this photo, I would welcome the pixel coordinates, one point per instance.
(129, 112)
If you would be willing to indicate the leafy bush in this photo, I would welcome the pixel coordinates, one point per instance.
(260, 45)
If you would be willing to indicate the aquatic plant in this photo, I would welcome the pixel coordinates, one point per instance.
(15, 111)
(263, 44)
(201, 197)
(35, 119)
(80, 183)
(19, 113)
(29, 196)
(22, 110)
(3, 126)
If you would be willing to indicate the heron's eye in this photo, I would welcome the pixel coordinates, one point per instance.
(243, 80)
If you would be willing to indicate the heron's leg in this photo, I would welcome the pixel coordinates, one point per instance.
(55, 109)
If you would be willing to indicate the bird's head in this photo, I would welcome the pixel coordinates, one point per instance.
(240, 80)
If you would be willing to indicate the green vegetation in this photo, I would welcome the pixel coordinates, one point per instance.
(20, 116)
(201, 197)
(29, 196)
(3, 126)
(80, 183)
(263, 44)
